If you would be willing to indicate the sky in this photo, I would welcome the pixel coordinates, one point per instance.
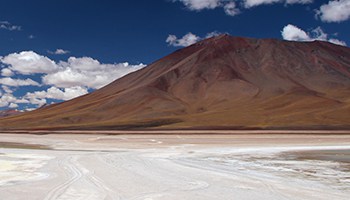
(56, 50)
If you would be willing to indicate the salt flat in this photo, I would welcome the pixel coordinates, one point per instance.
(154, 167)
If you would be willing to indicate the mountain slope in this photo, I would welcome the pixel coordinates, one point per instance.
(222, 82)
(10, 112)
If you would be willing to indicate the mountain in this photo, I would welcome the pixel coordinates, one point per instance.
(223, 82)
(10, 112)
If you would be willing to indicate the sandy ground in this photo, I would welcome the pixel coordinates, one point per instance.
(169, 167)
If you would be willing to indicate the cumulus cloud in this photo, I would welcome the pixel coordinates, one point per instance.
(294, 33)
(39, 98)
(6, 72)
(59, 52)
(188, 39)
(336, 41)
(88, 72)
(299, 1)
(7, 89)
(3, 104)
(201, 4)
(13, 105)
(334, 11)
(67, 79)
(29, 62)
(18, 82)
(230, 7)
(212, 34)
(36, 101)
(85, 71)
(56, 93)
(7, 99)
(185, 41)
(253, 3)
(8, 26)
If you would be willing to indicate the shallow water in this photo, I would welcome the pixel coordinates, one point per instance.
(21, 168)
(17, 145)
(338, 155)
(321, 168)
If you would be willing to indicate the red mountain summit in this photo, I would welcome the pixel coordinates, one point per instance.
(223, 82)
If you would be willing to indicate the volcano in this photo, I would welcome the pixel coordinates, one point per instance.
(223, 82)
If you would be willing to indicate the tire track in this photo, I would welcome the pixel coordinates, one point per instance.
(75, 175)
(109, 193)
(150, 170)
(78, 172)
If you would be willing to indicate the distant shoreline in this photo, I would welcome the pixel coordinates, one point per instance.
(180, 132)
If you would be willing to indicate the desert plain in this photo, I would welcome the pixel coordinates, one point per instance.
(160, 165)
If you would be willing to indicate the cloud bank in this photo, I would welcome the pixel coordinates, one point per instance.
(64, 80)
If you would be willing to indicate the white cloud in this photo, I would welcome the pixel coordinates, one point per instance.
(38, 102)
(69, 79)
(6, 72)
(294, 33)
(188, 39)
(335, 11)
(58, 94)
(22, 101)
(3, 104)
(39, 98)
(18, 82)
(212, 34)
(13, 105)
(8, 26)
(231, 9)
(7, 89)
(201, 4)
(59, 52)
(299, 1)
(6, 100)
(88, 72)
(185, 41)
(253, 3)
(29, 62)
(336, 41)
(230, 6)
(84, 72)
(291, 32)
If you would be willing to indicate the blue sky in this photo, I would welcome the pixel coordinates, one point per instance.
(59, 49)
